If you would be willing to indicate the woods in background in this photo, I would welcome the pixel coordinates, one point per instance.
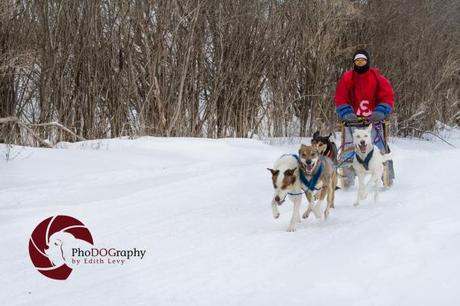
(105, 68)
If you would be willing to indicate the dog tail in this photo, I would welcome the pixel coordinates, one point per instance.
(386, 157)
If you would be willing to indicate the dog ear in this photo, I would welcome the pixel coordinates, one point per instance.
(315, 135)
(302, 146)
(274, 172)
(330, 134)
(369, 128)
(290, 172)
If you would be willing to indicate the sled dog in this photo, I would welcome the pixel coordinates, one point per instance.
(325, 146)
(367, 160)
(286, 183)
(318, 179)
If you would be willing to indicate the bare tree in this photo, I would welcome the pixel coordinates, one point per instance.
(73, 70)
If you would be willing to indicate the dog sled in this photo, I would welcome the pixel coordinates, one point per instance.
(380, 133)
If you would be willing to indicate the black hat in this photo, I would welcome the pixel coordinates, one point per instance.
(361, 53)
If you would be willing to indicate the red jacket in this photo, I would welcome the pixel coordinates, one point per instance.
(363, 92)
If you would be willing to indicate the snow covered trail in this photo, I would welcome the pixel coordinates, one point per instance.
(201, 209)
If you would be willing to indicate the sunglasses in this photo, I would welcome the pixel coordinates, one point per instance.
(360, 62)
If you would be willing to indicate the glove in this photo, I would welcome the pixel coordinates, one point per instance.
(350, 118)
(346, 113)
(380, 112)
(377, 116)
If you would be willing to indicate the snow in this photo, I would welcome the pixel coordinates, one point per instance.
(201, 209)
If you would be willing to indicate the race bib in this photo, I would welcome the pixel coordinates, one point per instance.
(363, 109)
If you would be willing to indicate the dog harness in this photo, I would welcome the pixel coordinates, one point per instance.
(310, 184)
(365, 162)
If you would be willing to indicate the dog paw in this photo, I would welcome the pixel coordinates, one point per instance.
(317, 211)
(291, 229)
(276, 216)
(376, 197)
(363, 195)
(326, 214)
(306, 214)
(355, 204)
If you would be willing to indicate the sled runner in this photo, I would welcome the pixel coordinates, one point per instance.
(346, 151)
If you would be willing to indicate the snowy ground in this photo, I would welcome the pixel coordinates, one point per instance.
(201, 208)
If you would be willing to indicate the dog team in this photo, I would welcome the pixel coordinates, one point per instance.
(362, 93)
(313, 172)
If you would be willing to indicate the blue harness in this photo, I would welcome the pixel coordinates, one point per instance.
(310, 184)
(365, 162)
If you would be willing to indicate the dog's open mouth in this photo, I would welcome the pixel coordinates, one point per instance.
(362, 148)
(309, 167)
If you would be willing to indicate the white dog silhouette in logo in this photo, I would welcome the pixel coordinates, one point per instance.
(60, 246)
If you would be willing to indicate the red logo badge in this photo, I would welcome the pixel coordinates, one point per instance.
(47, 245)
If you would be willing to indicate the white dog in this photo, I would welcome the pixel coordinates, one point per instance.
(367, 160)
(285, 178)
(60, 246)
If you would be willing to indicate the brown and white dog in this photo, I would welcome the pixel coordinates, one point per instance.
(286, 183)
(318, 178)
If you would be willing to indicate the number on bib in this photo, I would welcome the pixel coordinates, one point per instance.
(363, 109)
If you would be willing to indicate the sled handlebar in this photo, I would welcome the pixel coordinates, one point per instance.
(361, 122)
